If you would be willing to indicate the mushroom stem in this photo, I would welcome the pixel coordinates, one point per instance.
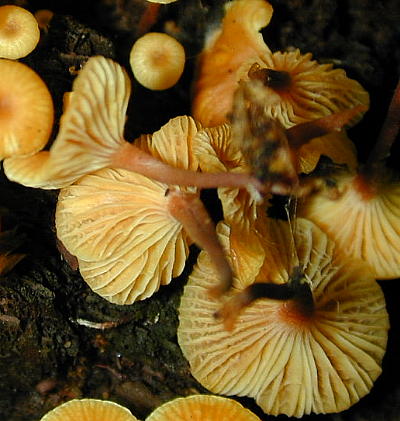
(148, 18)
(296, 291)
(132, 158)
(302, 133)
(189, 210)
(386, 137)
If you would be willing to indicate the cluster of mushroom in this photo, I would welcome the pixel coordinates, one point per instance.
(192, 408)
(304, 328)
(276, 310)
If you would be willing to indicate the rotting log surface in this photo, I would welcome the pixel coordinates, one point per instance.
(46, 355)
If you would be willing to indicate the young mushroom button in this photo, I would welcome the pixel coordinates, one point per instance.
(19, 32)
(157, 61)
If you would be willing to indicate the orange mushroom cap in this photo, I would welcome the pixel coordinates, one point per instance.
(202, 408)
(229, 53)
(157, 60)
(26, 110)
(19, 32)
(290, 362)
(89, 410)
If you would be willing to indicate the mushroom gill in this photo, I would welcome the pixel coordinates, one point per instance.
(298, 88)
(363, 221)
(129, 232)
(361, 210)
(292, 359)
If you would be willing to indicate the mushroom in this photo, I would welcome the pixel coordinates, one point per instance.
(200, 408)
(157, 60)
(129, 232)
(19, 32)
(89, 410)
(26, 110)
(227, 56)
(362, 214)
(298, 88)
(316, 345)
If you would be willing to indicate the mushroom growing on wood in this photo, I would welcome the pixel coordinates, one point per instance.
(202, 408)
(363, 216)
(26, 110)
(315, 346)
(19, 32)
(89, 410)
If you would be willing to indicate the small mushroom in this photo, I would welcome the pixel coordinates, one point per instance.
(89, 410)
(157, 60)
(229, 53)
(362, 213)
(26, 110)
(200, 408)
(19, 32)
(316, 349)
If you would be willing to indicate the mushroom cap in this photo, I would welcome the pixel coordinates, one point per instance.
(26, 110)
(117, 223)
(162, 1)
(229, 53)
(290, 363)
(89, 410)
(19, 32)
(202, 408)
(157, 60)
(91, 130)
(363, 220)
(314, 91)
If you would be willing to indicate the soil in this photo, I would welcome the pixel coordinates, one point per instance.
(48, 351)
